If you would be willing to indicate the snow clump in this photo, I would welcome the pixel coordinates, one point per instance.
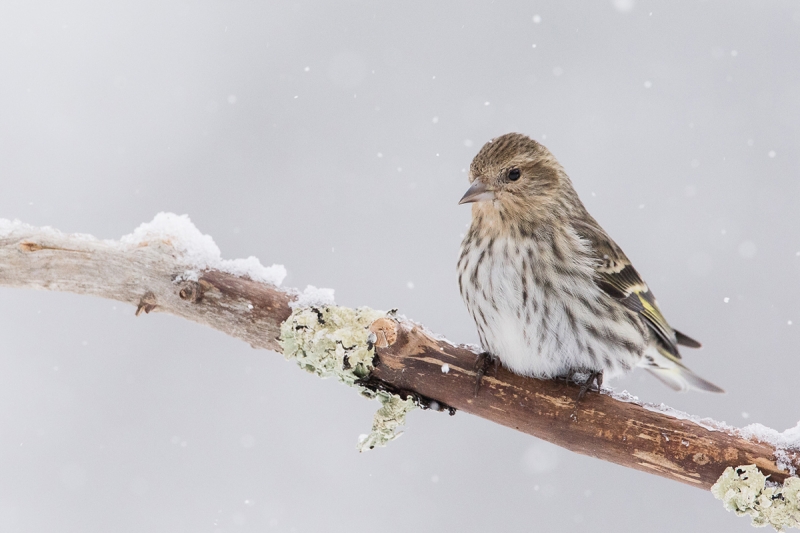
(199, 250)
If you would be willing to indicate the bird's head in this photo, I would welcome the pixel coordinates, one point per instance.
(514, 175)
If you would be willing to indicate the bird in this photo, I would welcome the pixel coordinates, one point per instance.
(551, 293)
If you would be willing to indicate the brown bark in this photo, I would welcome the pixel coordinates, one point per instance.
(600, 425)
(408, 358)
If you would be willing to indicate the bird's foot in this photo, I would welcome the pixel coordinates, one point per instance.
(484, 361)
(595, 376)
(576, 376)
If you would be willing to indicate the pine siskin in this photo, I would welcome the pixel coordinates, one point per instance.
(550, 292)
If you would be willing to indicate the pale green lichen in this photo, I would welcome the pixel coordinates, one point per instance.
(333, 341)
(744, 491)
(387, 419)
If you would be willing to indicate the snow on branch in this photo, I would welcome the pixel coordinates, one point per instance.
(168, 266)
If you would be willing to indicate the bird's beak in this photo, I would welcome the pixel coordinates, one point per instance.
(478, 192)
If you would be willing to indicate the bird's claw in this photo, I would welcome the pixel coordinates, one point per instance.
(595, 376)
(482, 364)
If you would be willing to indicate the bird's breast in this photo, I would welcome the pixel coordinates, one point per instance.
(535, 304)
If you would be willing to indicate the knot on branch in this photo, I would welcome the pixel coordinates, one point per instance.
(28, 246)
(333, 341)
(385, 330)
(192, 291)
(744, 491)
(147, 303)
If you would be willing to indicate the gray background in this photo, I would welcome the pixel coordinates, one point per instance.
(332, 138)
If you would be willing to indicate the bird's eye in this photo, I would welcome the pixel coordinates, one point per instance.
(513, 174)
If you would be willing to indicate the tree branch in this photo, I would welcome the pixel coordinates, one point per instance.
(157, 272)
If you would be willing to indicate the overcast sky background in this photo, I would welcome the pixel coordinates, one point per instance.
(332, 137)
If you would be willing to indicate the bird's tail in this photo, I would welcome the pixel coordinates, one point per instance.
(673, 374)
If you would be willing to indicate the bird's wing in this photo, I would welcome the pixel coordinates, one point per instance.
(617, 278)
